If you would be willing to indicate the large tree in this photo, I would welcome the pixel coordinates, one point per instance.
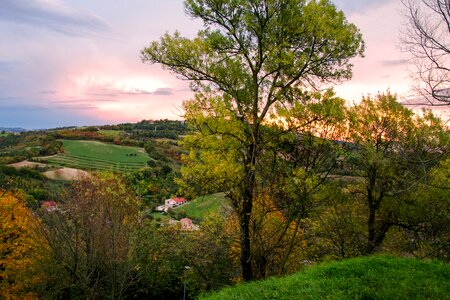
(426, 37)
(250, 56)
(395, 151)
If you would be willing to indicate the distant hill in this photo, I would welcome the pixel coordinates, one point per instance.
(12, 129)
(375, 277)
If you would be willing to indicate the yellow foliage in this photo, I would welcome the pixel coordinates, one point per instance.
(21, 248)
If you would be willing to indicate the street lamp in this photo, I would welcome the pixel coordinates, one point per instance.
(185, 279)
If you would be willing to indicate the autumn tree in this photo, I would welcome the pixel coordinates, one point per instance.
(395, 150)
(426, 37)
(22, 248)
(90, 238)
(250, 56)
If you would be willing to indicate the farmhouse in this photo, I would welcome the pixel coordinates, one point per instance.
(169, 203)
(175, 202)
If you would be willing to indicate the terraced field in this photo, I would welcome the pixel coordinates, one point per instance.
(93, 155)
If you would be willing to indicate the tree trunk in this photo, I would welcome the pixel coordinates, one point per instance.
(245, 212)
(371, 203)
(370, 247)
(246, 257)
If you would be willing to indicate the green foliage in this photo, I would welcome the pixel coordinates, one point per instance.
(430, 237)
(395, 151)
(33, 185)
(335, 228)
(14, 148)
(153, 185)
(145, 130)
(153, 152)
(375, 277)
(162, 253)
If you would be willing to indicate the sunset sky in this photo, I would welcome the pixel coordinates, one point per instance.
(77, 62)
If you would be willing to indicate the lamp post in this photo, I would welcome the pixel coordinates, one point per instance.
(185, 279)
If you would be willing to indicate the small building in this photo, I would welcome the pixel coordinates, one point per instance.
(174, 202)
(49, 205)
(169, 203)
(186, 224)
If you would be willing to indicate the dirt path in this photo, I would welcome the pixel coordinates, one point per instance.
(26, 163)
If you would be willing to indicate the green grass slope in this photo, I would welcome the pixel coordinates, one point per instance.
(100, 156)
(375, 277)
(203, 205)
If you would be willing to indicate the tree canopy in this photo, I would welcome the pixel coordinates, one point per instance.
(250, 56)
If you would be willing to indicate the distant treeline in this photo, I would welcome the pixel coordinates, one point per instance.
(152, 129)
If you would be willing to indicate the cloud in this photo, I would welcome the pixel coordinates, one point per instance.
(81, 101)
(112, 91)
(163, 92)
(158, 91)
(394, 62)
(53, 15)
(359, 6)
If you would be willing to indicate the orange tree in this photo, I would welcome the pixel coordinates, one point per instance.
(22, 248)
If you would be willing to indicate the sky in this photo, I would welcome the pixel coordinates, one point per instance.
(77, 62)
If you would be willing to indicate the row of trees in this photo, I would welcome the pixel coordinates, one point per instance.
(387, 154)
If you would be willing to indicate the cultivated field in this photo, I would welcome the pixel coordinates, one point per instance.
(93, 155)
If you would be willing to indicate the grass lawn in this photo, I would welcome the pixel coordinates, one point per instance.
(203, 205)
(375, 277)
(110, 152)
(100, 156)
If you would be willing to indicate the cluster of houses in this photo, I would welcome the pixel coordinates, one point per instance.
(186, 223)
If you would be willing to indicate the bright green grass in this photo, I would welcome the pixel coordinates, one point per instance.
(110, 152)
(203, 205)
(95, 155)
(375, 277)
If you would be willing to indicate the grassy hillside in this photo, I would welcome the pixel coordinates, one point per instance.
(99, 156)
(203, 205)
(375, 277)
